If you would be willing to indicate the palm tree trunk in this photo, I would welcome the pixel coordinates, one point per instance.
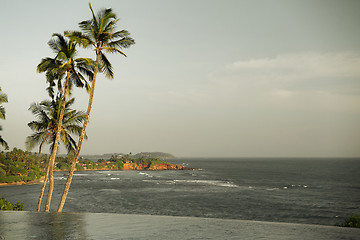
(81, 138)
(54, 150)
(46, 177)
(43, 189)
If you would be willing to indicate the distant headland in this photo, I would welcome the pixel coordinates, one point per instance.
(147, 155)
(22, 167)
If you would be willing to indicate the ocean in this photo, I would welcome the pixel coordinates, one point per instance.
(311, 191)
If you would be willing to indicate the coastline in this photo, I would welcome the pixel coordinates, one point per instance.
(127, 167)
(138, 166)
(37, 181)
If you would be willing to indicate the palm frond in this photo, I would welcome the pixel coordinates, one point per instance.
(3, 98)
(93, 21)
(106, 67)
(88, 28)
(125, 42)
(45, 64)
(4, 143)
(74, 119)
(40, 111)
(47, 114)
(120, 34)
(104, 17)
(78, 37)
(35, 139)
(114, 50)
(110, 26)
(50, 89)
(69, 143)
(38, 126)
(2, 112)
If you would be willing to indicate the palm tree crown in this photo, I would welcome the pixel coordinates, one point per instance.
(3, 99)
(98, 32)
(47, 114)
(65, 62)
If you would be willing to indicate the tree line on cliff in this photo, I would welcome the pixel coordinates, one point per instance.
(24, 166)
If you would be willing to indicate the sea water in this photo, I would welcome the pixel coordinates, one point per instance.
(312, 191)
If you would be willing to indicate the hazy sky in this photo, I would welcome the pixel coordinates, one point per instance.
(205, 78)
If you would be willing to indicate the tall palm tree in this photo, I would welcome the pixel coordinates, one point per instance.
(97, 33)
(47, 114)
(3, 99)
(63, 65)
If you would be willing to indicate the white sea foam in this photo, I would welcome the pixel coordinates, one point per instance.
(115, 178)
(145, 174)
(210, 182)
(59, 178)
(200, 182)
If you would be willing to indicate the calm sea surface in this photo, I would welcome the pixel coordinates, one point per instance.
(315, 191)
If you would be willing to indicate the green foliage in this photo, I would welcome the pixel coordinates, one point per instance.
(352, 221)
(47, 115)
(119, 164)
(10, 179)
(151, 161)
(18, 165)
(99, 32)
(7, 206)
(63, 166)
(64, 63)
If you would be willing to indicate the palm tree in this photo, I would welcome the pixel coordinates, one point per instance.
(98, 33)
(3, 99)
(47, 114)
(63, 64)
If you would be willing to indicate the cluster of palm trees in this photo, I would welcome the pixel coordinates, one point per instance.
(55, 119)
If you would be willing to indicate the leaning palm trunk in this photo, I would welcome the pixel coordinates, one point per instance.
(45, 179)
(81, 138)
(43, 189)
(54, 150)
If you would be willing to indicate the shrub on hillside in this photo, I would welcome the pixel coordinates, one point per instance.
(352, 221)
(7, 206)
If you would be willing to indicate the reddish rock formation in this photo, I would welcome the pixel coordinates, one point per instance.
(140, 166)
(160, 166)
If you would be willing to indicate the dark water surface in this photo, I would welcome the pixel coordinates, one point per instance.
(312, 191)
(59, 226)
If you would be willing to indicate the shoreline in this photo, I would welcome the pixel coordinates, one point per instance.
(37, 181)
(127, 167)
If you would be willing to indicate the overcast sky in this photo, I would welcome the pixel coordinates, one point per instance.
(204, 79)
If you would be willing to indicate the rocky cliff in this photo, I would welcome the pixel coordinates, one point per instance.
(160, 166)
